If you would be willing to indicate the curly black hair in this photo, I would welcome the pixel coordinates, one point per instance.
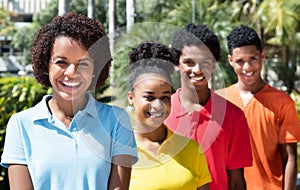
(87, 31)
(197, 35)
(243, 36)
(151, 57)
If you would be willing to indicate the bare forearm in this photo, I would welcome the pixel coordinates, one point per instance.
(120, 178)
(19, 177)
(290, 175)
(237, 180)
(289, 159)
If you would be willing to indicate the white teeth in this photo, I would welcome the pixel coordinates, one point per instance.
(72, 84)
(198, 78)
(156, 114)
(247, 73)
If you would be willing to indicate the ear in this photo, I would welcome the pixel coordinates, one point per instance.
(176, 68)
(229, 57)
(130, 97)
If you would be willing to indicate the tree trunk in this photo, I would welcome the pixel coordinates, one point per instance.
(62, 7)
(111, 29)
(130, 8)
(91, 8)
(112, 20)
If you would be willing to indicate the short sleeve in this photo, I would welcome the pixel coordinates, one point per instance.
(13, 147)
(240, 154)
(203, 174)
(289, 124)
(124, 140)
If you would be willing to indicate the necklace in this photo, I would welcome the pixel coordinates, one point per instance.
(70, 118)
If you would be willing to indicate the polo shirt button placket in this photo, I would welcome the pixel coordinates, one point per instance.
(192, 126)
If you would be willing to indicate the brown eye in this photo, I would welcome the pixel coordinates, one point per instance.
(166, 98)
(189, 63)
(149, 98)
(60, 62)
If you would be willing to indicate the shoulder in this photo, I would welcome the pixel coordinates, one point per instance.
(110, 109)
(270, 92)
(228, 107)
(38, 111)
(185, 143)
(107, 108)
(176, 97)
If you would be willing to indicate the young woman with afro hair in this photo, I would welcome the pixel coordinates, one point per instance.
(69, 140)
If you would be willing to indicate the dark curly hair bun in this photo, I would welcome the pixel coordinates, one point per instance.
(152, 57)
(153, 54)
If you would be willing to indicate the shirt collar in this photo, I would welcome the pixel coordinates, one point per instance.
(90, 107)
(205, 110)
(42, 110)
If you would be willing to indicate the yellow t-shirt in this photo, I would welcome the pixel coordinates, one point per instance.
(179, 164)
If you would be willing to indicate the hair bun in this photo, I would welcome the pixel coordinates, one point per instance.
(153, 54)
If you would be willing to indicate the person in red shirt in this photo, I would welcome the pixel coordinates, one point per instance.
(198, 113)
(271, 115)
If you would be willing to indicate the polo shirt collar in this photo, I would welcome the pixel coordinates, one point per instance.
(169, 135)
(205, 110)
(42, 111)
(90, 107)
(172, 145)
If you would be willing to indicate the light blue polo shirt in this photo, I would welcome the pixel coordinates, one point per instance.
(75, 158)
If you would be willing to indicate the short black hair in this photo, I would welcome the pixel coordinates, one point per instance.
(197, 35)
(243, 36)
(151, 57)
(88, 32)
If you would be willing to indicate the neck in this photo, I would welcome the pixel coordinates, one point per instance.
(194, 100)
(64, 108)
(253, 89)
(156, 136)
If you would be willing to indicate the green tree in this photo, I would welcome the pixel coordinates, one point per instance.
(6, 26)
(281, 34)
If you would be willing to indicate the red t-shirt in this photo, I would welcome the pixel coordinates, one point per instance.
(272, 120)
(222, 131)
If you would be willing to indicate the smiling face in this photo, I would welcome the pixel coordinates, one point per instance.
(196, 64)
(70, 69)
(247, 63)
(151, 99)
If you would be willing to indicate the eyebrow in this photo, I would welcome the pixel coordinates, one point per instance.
(62, 57)
(187, 58)
(151, 92)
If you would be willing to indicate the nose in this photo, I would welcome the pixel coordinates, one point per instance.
(197, 68)
(247, 65)
(157, 104)
(71, 70)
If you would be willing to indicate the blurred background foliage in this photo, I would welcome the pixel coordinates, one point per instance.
(276, 21)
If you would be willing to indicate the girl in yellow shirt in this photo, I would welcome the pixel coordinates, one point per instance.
(166, 160)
